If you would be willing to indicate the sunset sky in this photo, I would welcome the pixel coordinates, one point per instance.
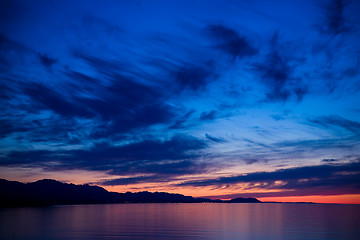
(219, 99)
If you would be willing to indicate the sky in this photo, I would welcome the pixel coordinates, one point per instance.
(218, 99)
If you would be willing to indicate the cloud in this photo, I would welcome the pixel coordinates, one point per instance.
(175, 148)
(215, 139)
(10, 52)
(193, 77)
(259, 144)
(328, 144)
(231, 42)
(132, 180)
(51, 130)
(322, 177)
(175, 156)
(115, 97)
(158, 172)
(290, 193)
(47, 98)
(276, 71)
(118, 107)
(7, 127)
(103, 65)
(205, 116)
(329, 160)
(277, 117)
(28, 158)
(180, 123)
(334, 21)
(5, 91)
(46, 60)
(300, 92)
(335, 122)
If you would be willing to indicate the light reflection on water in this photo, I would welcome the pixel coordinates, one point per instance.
(182, 221)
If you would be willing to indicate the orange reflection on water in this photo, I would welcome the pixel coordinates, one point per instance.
(342, 199)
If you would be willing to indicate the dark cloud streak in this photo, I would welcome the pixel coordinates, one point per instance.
(205, 116)
(334, 21)
(46, 60)
(334, 122)
(229, 41)
(323, 176)
(215, 139)
(277, 73)
(175, 156)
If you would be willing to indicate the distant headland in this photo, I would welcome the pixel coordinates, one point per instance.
(48, 192)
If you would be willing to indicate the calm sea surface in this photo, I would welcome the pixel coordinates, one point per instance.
(182, 221)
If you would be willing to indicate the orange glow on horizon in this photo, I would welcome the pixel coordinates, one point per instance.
(83, 176)
(339, 199)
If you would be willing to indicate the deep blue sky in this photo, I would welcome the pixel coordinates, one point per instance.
(200, 97)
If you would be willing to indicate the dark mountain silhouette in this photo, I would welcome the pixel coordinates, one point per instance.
(51, 192)
(244, 200)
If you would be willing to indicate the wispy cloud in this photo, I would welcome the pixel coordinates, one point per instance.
(193, 77)
(335, 122)
(277, 72)
(334, 21)
(229, 41)
(208, 115)
(215, 139)
(175, 156)
(46, 60)
(321, 177)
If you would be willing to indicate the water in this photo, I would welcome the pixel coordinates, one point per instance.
(182, 221)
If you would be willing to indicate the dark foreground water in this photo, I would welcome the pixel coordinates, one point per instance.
(182, 221)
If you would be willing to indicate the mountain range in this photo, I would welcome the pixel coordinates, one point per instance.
(51, 192)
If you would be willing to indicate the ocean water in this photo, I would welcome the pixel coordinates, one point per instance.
(182, 221)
